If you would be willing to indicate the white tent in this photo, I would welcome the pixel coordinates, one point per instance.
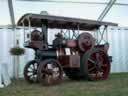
(88, 9)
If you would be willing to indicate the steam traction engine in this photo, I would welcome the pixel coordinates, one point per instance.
(81, 55)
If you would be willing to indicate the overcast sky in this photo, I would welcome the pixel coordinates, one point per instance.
(117, 14)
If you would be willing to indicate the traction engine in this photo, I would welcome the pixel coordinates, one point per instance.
(82, 56)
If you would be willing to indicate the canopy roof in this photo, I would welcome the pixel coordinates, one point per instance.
(36, 20)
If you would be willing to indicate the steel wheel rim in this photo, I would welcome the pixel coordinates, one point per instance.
(90, 67)
(98, 66)
(30, 72)
(50, 76)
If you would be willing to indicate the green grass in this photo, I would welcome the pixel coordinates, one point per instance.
(115, 85)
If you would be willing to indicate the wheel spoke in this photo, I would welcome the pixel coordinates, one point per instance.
(29, 70)
(31, 66)
(35, 66)
(56, 69)
(31, 77)
(92, 75)
(98, 57)
(92, 68)
(35, 77)
(30, 73)
(104, 65)
(92, 61)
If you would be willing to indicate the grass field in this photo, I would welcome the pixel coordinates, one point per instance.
(115, 85)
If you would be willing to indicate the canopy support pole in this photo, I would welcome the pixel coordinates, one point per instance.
(11, 11)
(106, 10)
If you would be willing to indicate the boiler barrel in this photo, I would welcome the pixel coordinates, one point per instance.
(47, 53)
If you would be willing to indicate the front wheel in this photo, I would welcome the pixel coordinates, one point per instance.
(49, 72)
(30, 71)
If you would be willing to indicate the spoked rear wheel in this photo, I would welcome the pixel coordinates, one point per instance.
(49, 72)
(95, 64)
(30, 71)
